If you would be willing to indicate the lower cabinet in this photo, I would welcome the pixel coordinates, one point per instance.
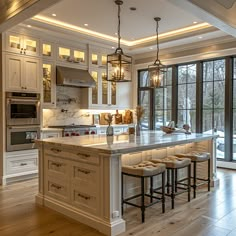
(51, 133)
(21, 165)
(73, 178)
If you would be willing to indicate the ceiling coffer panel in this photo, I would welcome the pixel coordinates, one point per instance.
(226, 3)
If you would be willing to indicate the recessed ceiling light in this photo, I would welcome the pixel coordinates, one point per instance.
(200, 37)
(151, 48)
(195, 22)
(113, 47)
(115, 33)
(86, 25)
(53, 14)
(29, 26)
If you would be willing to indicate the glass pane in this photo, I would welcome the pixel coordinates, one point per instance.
(219, 70)
(95, 89)
(168, 98)
(234, 68)
(191, 75)
(104, 60)
(94, 59)
(191, 119)
(220, 148)
(234, 93)
(208, 95)
(219, 91)
(14, 41)
(30, 45)
(167, 117)
(113, 93)
(104, 92)
(181, 118)
(47, 50)
(234, 135)
(182, 74)
(191, 96)
(159, 99)
(47, 82)
(159, 119)
(79, 56)
(207, 120)
(219, 119)
(145, 103)
(168, 78)
(182, 102)
(208, 71)
(64, 53)
(143, 79)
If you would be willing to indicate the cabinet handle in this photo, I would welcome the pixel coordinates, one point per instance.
(83, 155)
(23, 164)
(83, 171)
(84, 197)
(24, 50)
(56, 164)
(21, 50)
(55, 186)
(55, 150)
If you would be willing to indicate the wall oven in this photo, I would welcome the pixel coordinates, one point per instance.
(22, 108)
(22, 137)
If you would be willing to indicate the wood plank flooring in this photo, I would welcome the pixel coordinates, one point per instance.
(210, 214)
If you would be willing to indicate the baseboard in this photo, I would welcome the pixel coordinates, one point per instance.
(108, 228)
(12, 179)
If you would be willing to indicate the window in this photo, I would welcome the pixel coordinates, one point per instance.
(187, 96)
(234, 110)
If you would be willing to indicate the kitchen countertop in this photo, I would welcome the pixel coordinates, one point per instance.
(126, 143)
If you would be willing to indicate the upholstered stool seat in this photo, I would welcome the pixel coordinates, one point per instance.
(195, 158)
(173, 164)
(144, 170)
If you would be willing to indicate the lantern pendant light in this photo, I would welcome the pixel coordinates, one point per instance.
(157, 70)
(119, 64)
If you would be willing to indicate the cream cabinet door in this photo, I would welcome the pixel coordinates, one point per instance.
(14, 73)
(31, 75)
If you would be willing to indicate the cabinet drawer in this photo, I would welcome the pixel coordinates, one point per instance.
(76, 155)
(57, 189)
(85, 202)
(56, 167)
(86, 177)
(20, 164)
(118, 130)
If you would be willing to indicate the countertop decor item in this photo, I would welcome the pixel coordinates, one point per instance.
(109, 118)
(103, 121)
(139, 114)
(128, 117)
(118, 64)
(157, 70)
(118, 118)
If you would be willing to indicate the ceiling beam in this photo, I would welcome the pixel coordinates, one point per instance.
(13, 12)
(216, 12)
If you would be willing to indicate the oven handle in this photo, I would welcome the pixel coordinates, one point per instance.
(23, 127)
(22, 100)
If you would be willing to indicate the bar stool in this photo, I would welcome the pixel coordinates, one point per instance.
(173, 164)
(197, 157)
(144, 170)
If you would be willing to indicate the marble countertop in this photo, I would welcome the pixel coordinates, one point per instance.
(121, 144)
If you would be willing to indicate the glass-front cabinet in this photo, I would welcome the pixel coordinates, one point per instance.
(73, 55)
(22, 44)
(47, 50)
(49, 85)
(97, 58)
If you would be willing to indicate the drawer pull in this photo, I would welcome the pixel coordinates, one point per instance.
(55, 150)
(23, 164)
(83, 171)
(56, 164)
(55, 186)
(83, 155)
(84, 197)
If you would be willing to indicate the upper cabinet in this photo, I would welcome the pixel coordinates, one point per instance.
(22, 44)
(22, 73)
(97, 59)
(47, 50)
(72, 55)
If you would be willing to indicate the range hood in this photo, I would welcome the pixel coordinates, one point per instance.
(74, 77)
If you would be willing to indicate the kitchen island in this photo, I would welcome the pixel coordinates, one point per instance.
(81, 176)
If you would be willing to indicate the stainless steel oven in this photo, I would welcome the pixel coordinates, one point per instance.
(22, 108)
(22, 137)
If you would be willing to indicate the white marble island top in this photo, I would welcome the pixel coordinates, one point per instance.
(125, 143)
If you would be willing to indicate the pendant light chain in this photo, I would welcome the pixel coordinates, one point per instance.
(119, 37)
(157, 40)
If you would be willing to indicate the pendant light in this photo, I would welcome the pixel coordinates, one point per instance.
(157, 70)
(118, 64)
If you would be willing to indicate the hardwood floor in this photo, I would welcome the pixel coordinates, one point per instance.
(210, 214)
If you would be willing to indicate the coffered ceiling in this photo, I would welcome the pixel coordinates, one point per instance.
(183, 21)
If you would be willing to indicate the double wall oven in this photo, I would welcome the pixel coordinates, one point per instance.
(22, 119)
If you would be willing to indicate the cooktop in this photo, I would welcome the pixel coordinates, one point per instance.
(71, 126)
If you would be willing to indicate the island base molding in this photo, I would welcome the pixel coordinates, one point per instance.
(110, 229)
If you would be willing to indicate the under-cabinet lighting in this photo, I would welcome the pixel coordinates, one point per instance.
(53, 14)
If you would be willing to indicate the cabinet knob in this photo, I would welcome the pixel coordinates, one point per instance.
(24, 50)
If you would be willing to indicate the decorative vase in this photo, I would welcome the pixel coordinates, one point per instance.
(137, 129)
(109, 130)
